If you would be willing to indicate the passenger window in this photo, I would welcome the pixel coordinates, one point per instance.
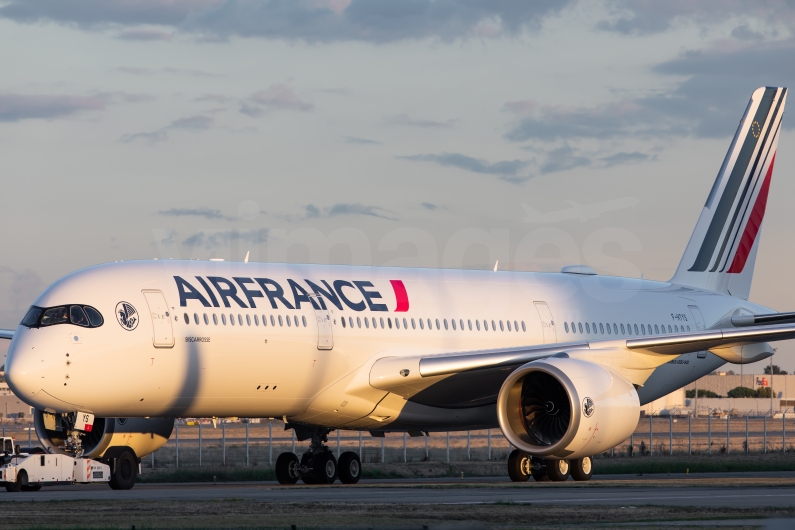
(374, 325)
(232, 319)
(289, 321)
(350, 321)
(366, 323)
(389, 323)
(186, 318)
(629, 329)
(429, 324)
(516, 326)
(445, 324)
(358, 322)
(412, 324)
(206, 319)
(452, 323)
(676, 328)
(239, 319)
(405, 324)
(493, 326)
(485, 325)
(523, 328)
(669, 329)
(508, 323)
(295, 319)
(273, 321)
(622, 330)
(280, 321)
(601, 328)
(422, 326)
(78, 316)
(461, 321)
(196, 319)
(477, 324)
(587, 328)
(382, 322)
(579, 326)
(303, 320)
(502, 328)
(642, 329)
(469, 324)
(94, 316)
(566, 326)
(248, 320)
(343, 322)
(223, 319)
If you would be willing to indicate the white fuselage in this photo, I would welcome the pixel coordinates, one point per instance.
(284, 358)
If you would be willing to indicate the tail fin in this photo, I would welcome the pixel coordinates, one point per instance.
(722, 250)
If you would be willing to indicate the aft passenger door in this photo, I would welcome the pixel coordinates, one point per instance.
(698, 317)
(162, 333)
(547, 322)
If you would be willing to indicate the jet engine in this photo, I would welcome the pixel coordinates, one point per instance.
(566, 408)
(142, 435)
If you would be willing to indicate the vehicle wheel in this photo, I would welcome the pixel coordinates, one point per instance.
(519, 466)
(349, 468)
(538, 469)
(557, 470)
(125, 471)
(582, 469)
(287, 468)
(325, 468)
(307, 462)
(31, 487)
(22, 481)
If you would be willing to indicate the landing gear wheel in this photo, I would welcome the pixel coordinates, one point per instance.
(519, 466)
(307, 462)
(31, 487)
(557, 470)
(21, 482)
(287, 468)
(349, 468)
(582, 469)
(324, 468)
(538, 469)
(125, 471)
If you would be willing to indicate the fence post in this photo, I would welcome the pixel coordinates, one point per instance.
(746, 433)
(448, 446)
(632, 444)
(404, 448)
(176, 429)
(4, 431)
(651, 437)
(246, 444)
(360, 445)
(469, 445)
(709, 431)
(784, 432)
(200, 445)
(153, 459)
(670, 435)
(764, 440)
(270, 441)
(489, 443)
(728, 436)
(223, 443)
(383, 454)
(690, 433)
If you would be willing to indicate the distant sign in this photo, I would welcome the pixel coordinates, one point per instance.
(762, 382)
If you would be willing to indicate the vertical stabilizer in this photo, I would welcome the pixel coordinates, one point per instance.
(722, 250)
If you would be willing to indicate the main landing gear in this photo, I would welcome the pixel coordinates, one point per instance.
(318, 465)
(522, 466)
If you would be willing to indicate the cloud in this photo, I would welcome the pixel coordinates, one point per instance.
(429, 206)
(564, 158)
(145, 35)
(509, 170)
(276, 97)
(25, 286)
(207, 213)
(312, 211)
(221, 238)
(192, 123)
(189, 72)
(622, 158)
(360, 141)
(17, 107)
(525, 106)
(403, 119)
(213, 98)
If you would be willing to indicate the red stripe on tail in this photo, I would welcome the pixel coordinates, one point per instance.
(401, 296)
(754, 222)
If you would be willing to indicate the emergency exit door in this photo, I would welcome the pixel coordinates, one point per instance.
(547, 322)
(162, 333)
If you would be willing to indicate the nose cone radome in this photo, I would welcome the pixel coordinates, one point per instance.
(24, 367)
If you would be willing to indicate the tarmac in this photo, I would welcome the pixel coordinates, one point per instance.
(614, 490)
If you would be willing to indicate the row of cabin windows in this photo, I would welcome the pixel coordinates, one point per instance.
(628, 330)
(444, 323)
(238, 320)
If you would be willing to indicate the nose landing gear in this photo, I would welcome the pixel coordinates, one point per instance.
(318, 465)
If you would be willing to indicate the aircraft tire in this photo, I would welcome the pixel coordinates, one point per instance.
(287, 468)
(307, 461)
(519, 466)
(125, 471)
(16, 486)
(538, 469)
(324, 468)
(582, 468)
(349, 468)
(558, 470)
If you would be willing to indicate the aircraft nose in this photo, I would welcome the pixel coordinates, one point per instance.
(24, 368)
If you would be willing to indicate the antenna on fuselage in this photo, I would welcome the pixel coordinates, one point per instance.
(246, 259)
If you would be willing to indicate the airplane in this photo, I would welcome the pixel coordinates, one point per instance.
(583, 212)
(111, 354)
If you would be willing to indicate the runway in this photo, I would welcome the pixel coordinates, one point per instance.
(708, 490)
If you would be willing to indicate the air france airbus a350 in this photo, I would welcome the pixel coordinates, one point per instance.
(109, 355)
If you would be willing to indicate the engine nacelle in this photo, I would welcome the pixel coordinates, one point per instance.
(142, 435)
(566, 408)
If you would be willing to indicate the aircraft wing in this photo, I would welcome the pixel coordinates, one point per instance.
(467, 379)
(6, 334)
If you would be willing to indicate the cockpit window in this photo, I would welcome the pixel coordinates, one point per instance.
(32, 317)
(93, 316)
(79, 315)
(54, 315)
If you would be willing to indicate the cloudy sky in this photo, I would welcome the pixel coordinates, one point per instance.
(445, 133)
